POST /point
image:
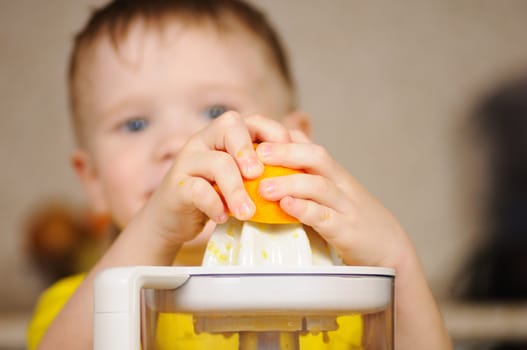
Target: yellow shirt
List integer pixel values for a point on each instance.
(49, 305)
(178, 329)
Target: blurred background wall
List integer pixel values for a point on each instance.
(389, 85)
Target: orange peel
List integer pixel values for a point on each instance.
(267, 212)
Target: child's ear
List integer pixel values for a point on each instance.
(298, 120)
(84, 168)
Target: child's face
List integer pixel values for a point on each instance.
(141, 104)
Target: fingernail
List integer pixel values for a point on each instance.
(222, 218)
(267, 187)
(245, 210)
(264, 150)
(252, 166)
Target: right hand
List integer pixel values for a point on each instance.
(221, 153)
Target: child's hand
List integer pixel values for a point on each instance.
(222, 153)
(328, 199)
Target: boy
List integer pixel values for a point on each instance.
(164, 96)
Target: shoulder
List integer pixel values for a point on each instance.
(49, 305)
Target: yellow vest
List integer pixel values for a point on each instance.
(178, 329)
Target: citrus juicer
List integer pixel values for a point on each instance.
(260, 286)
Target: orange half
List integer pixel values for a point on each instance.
(268, 212)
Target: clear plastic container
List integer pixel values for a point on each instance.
(332, 307)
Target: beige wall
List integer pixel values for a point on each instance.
(388, 84)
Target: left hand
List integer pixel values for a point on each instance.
(327, 198)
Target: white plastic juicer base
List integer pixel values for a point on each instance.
(267, 283)
(251, 244)
(233, 292)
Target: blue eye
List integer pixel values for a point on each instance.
(214, 112)
(135, 125)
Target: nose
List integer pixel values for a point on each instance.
(169, 146)
(173, 133)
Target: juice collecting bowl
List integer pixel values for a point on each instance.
(235, 299)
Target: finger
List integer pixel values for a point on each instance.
(298, 136)
(339, 232)
(265, 129)
(310, 157)
(229, 133)
(220, 168)
(321, 218)
(198, 192)
(306, 186)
